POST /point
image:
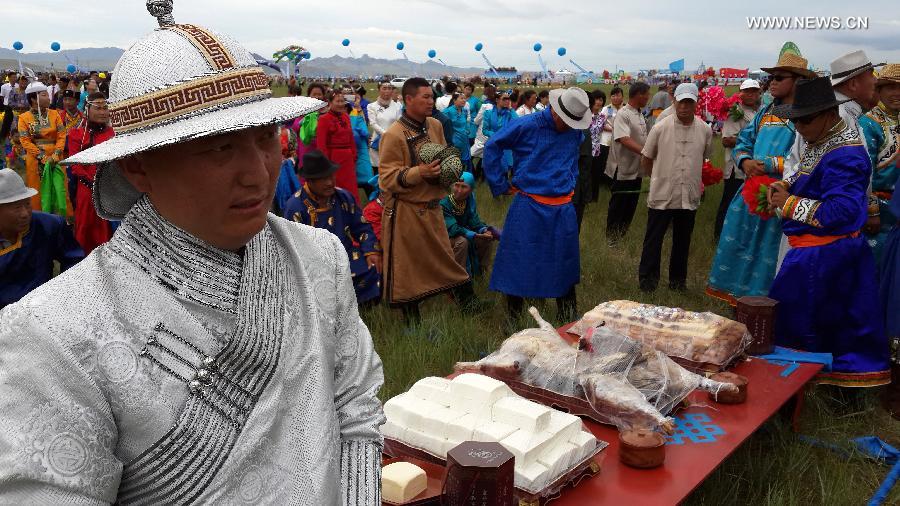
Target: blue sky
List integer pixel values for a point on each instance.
(598, 35)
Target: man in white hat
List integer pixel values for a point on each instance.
(209, 353)
(673, 157)
(734, 177)
(29, 241)
(538, 253)
(853, 80)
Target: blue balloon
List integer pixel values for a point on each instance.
(561, 51)
(18, 45)
(306, 55)
(345, 42)
(479, 46)
(400, 46)
(538, 46)
(432, 53)
(55, 46)
(71, 69)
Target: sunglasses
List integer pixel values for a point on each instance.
(782, 77)
(805, 120)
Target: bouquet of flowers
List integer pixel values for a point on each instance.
(755, 193)
(710, 175)
(735, 112)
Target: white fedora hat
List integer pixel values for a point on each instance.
(851, 65)
(180, 82)
(573, 106)
(12, 188)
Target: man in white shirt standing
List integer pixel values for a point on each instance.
(673, 156)
(383, 112)
(7, 87)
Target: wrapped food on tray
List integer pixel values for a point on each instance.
(699, 341)
(626, 383)
(438, 414)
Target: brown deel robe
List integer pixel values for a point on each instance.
(418, 259)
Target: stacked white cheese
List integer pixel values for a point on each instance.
(437, 414)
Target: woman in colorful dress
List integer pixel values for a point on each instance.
(43, 135)
(334, 138)
(747, 253)
(462, 123)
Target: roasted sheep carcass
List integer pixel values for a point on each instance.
(630, 385)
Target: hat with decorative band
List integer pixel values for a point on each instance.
(181, 82)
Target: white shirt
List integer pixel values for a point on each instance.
(382, 117)
(606, 137)
(523, 110)
(442, 102)
(538, 107)
(4, 92)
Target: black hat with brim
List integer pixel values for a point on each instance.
(811, 96)
(316, 165)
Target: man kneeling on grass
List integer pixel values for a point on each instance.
(673, 156)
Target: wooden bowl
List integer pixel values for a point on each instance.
(643, 449)
(724, 397)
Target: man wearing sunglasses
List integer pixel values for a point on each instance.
(748, 247)
(826, 287)
(853, 79)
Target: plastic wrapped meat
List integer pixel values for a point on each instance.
(629, 384)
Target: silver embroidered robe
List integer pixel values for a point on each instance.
(163, 370)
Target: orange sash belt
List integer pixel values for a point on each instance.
(547, 201)
(808, 240)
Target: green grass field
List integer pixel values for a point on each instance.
(772, 467)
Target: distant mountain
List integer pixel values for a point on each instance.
(105, 58)
(366, 66)
(89, 58)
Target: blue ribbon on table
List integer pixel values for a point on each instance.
(793, 358)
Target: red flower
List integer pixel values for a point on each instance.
(710, 174)
(754, 194)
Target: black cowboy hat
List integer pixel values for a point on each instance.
(812, 96)
(316, 165)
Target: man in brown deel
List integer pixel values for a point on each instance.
(418, 259)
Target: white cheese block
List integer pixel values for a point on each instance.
(521, 413)
(558, 459)
(532, 477)
(526, 446)
(435, 420)
(432, 389)
(401, 482)
(393, 431)
(585, 444)
(403, 410)
(462, 428)
(493, 432)
(423, 441)
(565, 425)
(475, 393)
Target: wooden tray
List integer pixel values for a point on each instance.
(587, 468)
(431, 496)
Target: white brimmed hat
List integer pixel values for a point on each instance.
(35, 87)
(12, 187)
(851, 65)
(573, 106)
(179, 83)
(686, 90)
(750, 84)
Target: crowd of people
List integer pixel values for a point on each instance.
(198, 322)
(353, 168)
